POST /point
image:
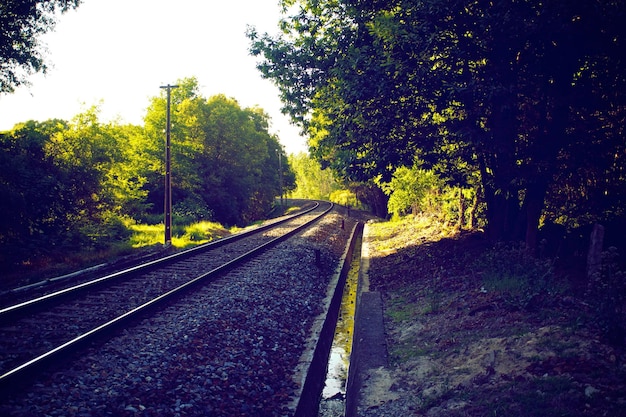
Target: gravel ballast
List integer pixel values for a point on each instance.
(228, 349)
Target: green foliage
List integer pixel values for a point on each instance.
(30, 183)
(68, 185)
(416, 190)
(54, 173)
(520, 93)
(100, 235)
(222, 155)
(75, 186)
(184, 235)
(312, 181)
(22, 22)
(345, 198)
(146, 234)
(127, 178)
(203, 231)
(190, 210)
(411, 190)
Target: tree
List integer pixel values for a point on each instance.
(30, 185)
(224, 160)
(21, 24)
(312, 182)
(63, 185)
(96, 181)
(128, 173)
(506, 89)
(409, 188)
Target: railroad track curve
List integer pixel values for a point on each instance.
(37, 332)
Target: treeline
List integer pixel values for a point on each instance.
(521, 104)
(413, 190)
(77, 184)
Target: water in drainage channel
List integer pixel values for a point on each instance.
(333, 395)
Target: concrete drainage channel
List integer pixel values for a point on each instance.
(321, 375)
(333, 400)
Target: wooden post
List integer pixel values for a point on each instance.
(594, 256)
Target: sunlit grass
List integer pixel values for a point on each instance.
(395, 233)
(199, 233)
(182, 236)
(292, 210)
(146, 234)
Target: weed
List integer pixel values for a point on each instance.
(517, 275)
(204, 231)
(400, 310)
(404, 352)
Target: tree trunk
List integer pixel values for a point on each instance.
(461, 221)
(499, 170)
(533, 206)
(474, 207)
(489, 195)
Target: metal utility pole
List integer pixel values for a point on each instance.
(168, 172)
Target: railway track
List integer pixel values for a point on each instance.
(36, 332)
(91, 276)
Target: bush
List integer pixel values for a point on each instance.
(190, 210)
(345, 198)
(204, 231)
(99, 235)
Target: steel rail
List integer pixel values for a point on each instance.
(18, 375)
(8, 312)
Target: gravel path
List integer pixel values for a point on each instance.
(230, 349)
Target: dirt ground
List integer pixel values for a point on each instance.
(473, 330)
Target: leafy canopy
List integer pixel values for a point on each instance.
(22, 22)
(223, 157)
(516, 91)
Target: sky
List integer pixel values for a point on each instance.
(117, 53)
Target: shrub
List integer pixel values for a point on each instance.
(345, 198)
(190, 210)
(204, 231)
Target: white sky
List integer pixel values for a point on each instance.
(119, 52)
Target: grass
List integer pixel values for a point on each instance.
(146, 235)
(393, 234)
(407, 351)
(182, 236)
(400, 311)
(508, 335)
